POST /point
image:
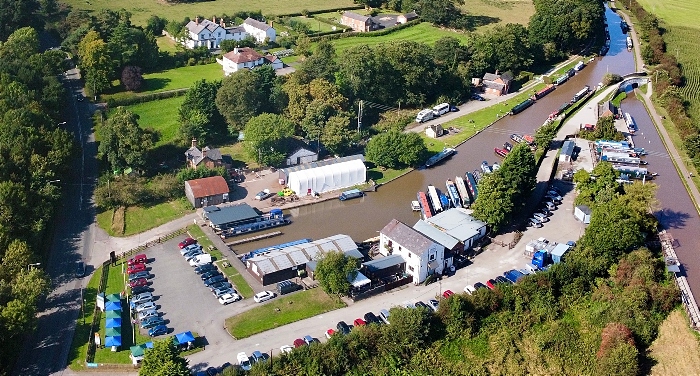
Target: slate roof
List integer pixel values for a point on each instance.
(506, 77)
(243, 55)
(414, 241)
(436, 234)
(256, 24)
(493, 85)
(211, 186)
(197, 28)
(568, 148)
(196, 156)
(457, 223)
(355, 16)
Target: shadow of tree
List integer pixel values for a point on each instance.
(670, 219)
(474, 21)
(151, 84)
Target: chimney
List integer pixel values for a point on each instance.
(222, 23)
(196, 20)
(235, 50)
(194, 142)
(204, 152)
(496, 72)
(213, 19)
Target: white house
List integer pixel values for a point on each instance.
(301, 155)
(423, 256)
(259, 30)
(246, 58)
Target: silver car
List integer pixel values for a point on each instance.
(146, 306)
(223, 291)
(142, 298)
(540, 217)
(148, 313)
(143, 274)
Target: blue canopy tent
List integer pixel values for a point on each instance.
(113, 306)
(113, 341)
(183, 338)
(113, 323)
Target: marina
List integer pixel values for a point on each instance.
(463, 191)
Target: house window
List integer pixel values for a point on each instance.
(432, 257)
(410, 268)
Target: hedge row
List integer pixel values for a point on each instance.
(134, 99)
(352, 7)
(366, 35)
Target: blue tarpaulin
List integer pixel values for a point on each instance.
(113, 323)
(113, 306)
(183, 338)
(113, 341)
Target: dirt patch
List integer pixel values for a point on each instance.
(676, 350)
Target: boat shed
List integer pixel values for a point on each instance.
(558, 252)
(228, 216)
(326, 175)
(282, 264)
(457, 223)
(567, 151)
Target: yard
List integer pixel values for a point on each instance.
(314, 25)
(171, 10)
(490, 13)
(160, 116)
(281, 311)
(421, 33)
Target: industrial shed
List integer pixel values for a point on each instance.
(324, 176)
(207, 191)
(283, 264)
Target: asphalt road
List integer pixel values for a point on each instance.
(46, 351)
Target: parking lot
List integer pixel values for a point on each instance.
(182, 298)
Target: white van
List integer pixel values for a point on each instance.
(441, 109)
(424, 115)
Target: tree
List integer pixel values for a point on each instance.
(519, 170)
(96, 61)
(334, 271)
(199, 116)
(247, 93)
(163, 359)
(266, 137)
(440, 12)
(495, 202)
(336, 135)
(123, 143)
(155, 25)
(321, 64)
(15, 14)
(132, 78)
(396, 150)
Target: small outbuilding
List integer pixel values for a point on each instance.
(606, 109)
(300, 156)
(207, 191)
(326, 175)
(567, 151)
(403, 18)
(583, 213)
(434, 131)
(558, 252)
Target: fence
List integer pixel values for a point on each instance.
(689, 302)
(97, 314)
(381, 288)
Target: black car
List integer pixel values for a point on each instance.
(80, 270)
(204, 268)
(421, 304)
(210, 274)
(371, 318)
(343, 328)
(219, 285)
(480, 285)
(502, 279)
(139, 289)
(213, 280)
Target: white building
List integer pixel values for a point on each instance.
(326, 175)
(301, 155)
(423, 256)
(246, 58)
(457, 223)
(259, 30)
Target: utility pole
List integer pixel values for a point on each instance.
(359, 117)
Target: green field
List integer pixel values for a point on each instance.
(314, 25)
(685, 42)
(422, 33)
(172, 10)
(674, 12)
(160, 116)
(139, 219)
(489, 13)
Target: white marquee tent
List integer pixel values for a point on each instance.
(327, 175)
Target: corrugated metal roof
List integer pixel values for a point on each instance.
(568, 148)
(436, 234)
(457, 223)
(384, 263)
(325, 162)
(211, 186)
(231, 214)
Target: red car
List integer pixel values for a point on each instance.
(136, 268)
(138, 282)
(299, 343)
(186, 242)
(138, 259)
(491, 284)
(447, 294)
(359, 322)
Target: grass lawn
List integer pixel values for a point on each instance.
(674, 12)
(422, 33)
(381, 176)
(140, 219)
(314, 25)
(166, 44)
(676, 350)
(489, 13)
(161, 116)
(142, 10)
(236, 278)
(294, 307)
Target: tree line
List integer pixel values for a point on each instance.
(34, 155)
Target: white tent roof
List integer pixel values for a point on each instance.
(360, 280)
(328, 178)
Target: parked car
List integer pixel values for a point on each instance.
(223, 291)
(140, 290)
(138, 259)
(186, 242)
(342, 327)
(532, 222)
(190, 248)
(433, 304)
(192, 255)
(491, 283)
(204, 268)
(420, 304)
(136, 268)
(384, 315)
(308, 339)
(146, 306)
(549, 205)
(263, 296)
(210, 274)
(371, 318)
(258, 356)
(141, 298)
(158, 330)
(329, 333)
(480, 285)
(571, 243)
(264, 194)
(554, 197)
(447, 293)
(148, 313)
(139, 275)
(299, 343)
(80, 270)
(502, 279)
(152, 322)
(220, 285)
(229, 298)
(213, 280)
(138, 282)
(286, 349)
(243, 361)
(540, 217)
(469, 289)
(555, 190)
(477, 97)
(359, 322)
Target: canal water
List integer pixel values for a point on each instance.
(363, 218)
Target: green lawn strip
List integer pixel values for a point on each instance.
(166, 44)
(236, 278)
(314, 25)
(281, 311)
(198, 234)
(116, 285)
(78, 348)
(422, 33)
(381, 176)
(160, 116)
(140, 219)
